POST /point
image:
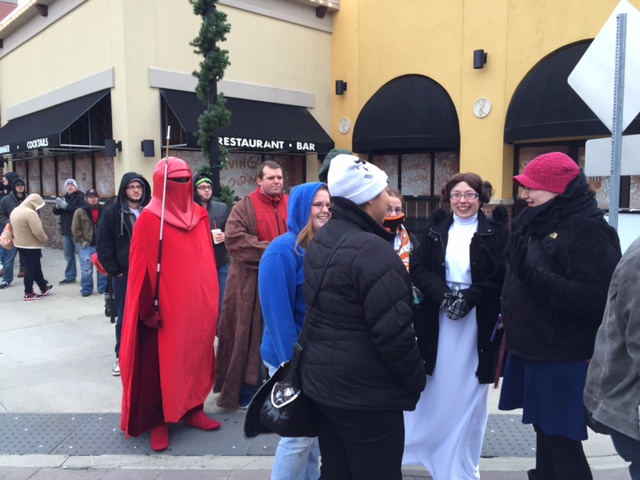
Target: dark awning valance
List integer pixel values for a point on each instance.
(545, 106)
(408, 113)
(255, 126)
(55, 127)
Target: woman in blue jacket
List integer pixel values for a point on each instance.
(280, 281)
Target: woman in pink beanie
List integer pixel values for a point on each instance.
(559, 265)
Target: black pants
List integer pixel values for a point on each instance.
(559, 458)
(33, 269)
(360, 445)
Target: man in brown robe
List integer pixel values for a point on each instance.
(254, 221)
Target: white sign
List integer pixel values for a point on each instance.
(593, 78)
(597, 161)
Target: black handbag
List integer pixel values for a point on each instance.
(280, 405)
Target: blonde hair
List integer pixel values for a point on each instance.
(306, 234)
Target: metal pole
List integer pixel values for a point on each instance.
(616, 132)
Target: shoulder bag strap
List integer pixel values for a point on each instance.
(302, 338)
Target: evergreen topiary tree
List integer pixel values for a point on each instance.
(213, 31)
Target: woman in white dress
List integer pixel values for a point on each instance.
(458, 267)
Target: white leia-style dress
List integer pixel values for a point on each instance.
(446, 430)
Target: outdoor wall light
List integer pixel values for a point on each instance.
(341, 87)
(110, 147)
(148, 148)
(479, 58)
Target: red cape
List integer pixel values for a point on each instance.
(168, 371)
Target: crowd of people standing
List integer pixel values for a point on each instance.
(403, 334)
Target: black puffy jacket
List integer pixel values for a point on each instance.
(361, 351)
(428, 272)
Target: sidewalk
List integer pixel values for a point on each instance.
(59, 408)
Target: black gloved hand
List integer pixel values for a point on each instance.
(455, 305)
(481, 256)
(518, 258)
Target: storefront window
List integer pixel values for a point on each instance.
(49, 187)
(105, 176)
(46, 175)
(33, 174)
(84, 171)
(447, 165)
(389, 165)
(416, 175)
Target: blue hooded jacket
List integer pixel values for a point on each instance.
(280, 280)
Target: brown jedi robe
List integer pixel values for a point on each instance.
(239, 329)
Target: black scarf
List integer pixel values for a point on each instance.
(576, 201)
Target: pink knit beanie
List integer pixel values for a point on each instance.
(551, 172)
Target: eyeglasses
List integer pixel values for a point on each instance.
(467, 196)
(134, 187)
(397, 210)
(204, 187)
(320, 205)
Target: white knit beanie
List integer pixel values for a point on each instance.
(356, 179)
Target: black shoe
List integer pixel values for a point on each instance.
(65, 281)
(4, 285)
(86, 294)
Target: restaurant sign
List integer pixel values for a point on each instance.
(263, 144)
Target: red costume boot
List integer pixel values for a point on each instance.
(160, 438)
(198, 419)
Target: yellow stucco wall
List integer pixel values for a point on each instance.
(375, 41)
(59, 55)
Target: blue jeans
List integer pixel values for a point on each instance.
(9, 257)
(69, 247)
(296, 458)
(223, 272)
(86, 272)
(119, 294)
(629, 449)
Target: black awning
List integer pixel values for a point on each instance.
(408, 113)
(44, 129)
(255, 126)
(545, 106)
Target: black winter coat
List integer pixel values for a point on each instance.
(74, 201)
(428, 272)
(361, 352)
(553, 315)
(116, 227)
